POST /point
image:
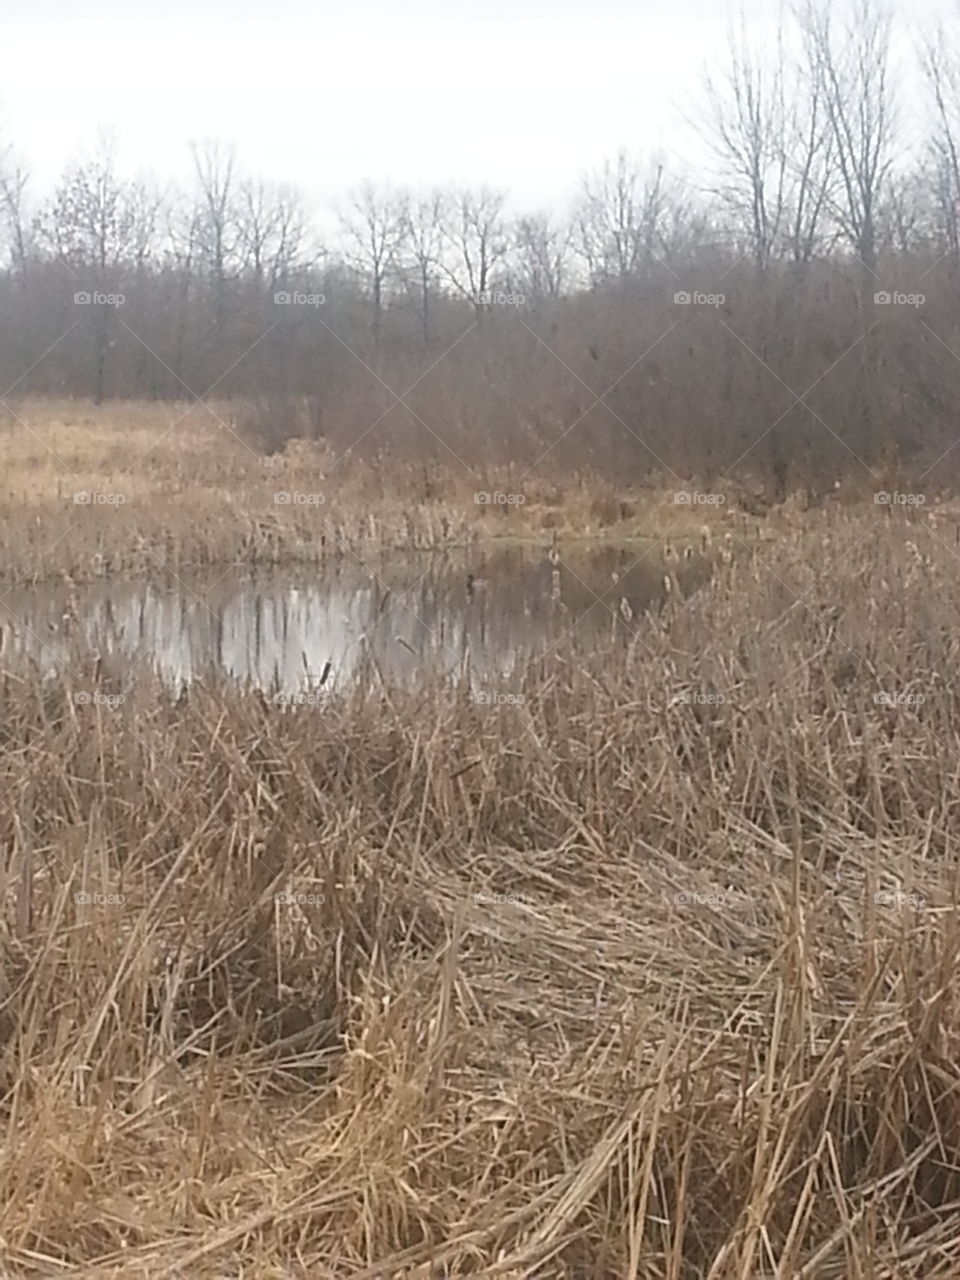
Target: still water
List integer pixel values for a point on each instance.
(286, 632)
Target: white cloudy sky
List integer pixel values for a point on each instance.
(522, 94)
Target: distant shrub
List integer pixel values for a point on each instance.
(268, 422)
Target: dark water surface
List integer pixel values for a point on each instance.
(286, 631)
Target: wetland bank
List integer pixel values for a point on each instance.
(535, 879)
(479, 753)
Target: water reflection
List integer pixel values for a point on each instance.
(287, 632)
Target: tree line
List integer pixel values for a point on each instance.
(787, 312)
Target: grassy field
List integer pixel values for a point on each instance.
(170, 487)
(649, 972)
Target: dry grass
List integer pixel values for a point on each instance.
(589, 1081)
(196, 493)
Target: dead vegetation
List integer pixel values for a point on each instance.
(574, 1074)
(142, 488)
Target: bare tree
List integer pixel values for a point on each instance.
(477, 243)
(941, 68)
(619, 218)
(746, 122)
(765, 123)
(271, 231)
(852, 72)
(809, 143)
(907, 220)
(374, 224)
(543, 265)
(423, 249)
(13, 211)
(181, 239)
(91, 219)
(15, 220)
(100, 228)
(216, 220)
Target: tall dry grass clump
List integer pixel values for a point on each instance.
(650, 974)
(147, 489)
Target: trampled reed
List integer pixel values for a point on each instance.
(642, 966)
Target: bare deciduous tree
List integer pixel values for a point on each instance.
(100, 227)
(941, 69)
(423, 249)
(374, 223)
(620, 218)
(852, 72)
(13, 211)
(477, 243)
(215, 224)
(272, 231)
(543, 266)
(15, 220)
(746, 123)
(765, 123)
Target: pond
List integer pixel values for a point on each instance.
(285, 632)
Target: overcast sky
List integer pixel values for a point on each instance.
(522, 94)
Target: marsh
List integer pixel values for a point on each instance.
(284, 630)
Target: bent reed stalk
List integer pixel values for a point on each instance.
(648, 971)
